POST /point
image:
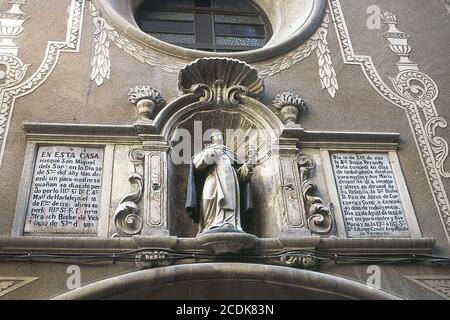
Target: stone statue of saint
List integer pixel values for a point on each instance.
(218, 188)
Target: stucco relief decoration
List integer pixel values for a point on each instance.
(11, 27)
(13, 80)
(417, 87)
(10, 284)
(104, 34)
(153, 259)
(439, 285)
(317, 42)
(299, 260)
(412, 91)
(12, 69)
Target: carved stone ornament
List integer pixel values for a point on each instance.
(127, 217)
(152, 259)
(147, 100)
(288, 105)
(299, 260)
(320, 215)
(220, 81)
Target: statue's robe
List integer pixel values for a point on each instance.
(218, 189)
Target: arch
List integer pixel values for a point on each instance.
(187, 106)
(179, 109)
(238, 280)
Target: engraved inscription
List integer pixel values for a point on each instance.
(369, 197)
(66, 189)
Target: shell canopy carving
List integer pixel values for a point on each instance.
(230, 73)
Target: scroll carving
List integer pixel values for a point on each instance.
(319, 214)
(219, 94)
(210, 80)
(127, 217)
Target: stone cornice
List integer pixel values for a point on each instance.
(379, 246)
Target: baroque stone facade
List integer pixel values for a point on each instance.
(99, 123)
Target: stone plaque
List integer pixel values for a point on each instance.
(369, 197)
(65, 191)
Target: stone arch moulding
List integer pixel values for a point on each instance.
(182, 108)
(222, 84)
(248, 281)
(300, 17)
(249, 120)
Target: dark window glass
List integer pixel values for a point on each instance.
(203, 3)
(209, 25)
(240, 30)
(167, 26)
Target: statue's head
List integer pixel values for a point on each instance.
(216, 137)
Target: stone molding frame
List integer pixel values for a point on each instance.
(28, 170)
(213, 89)
(405, 199)
(145, 282)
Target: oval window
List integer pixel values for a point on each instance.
(207, 25)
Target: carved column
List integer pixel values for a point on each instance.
(290, 200)
(144, 212)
